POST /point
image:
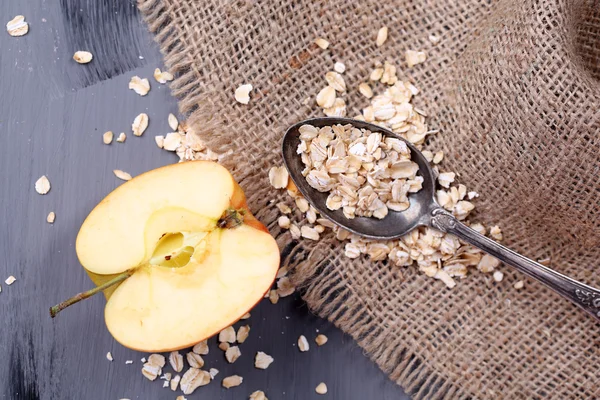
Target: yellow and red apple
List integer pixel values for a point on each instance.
(197, 258)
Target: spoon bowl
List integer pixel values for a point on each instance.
(424, 211)
(396, 223)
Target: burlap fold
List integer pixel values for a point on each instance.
(513, 85)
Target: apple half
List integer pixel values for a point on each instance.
(195, 259)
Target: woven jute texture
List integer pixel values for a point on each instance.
(514, 86)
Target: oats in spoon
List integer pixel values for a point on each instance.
(365, 173)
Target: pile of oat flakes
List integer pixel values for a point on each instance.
(438, 255)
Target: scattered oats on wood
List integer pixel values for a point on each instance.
(415, 57)
(176, 361)
(195, 360)
(193, 379)
(382, 36)
(162, 77)
(42, 185)
(336, 81)
(227, 335)
(151, 371)
(140, 123)
(278, 176)
(258, 395)
(309, 233)
(213, 372)
(166, 376)
(173, 122)
(322, 43)
(201, 348)
(51, 217)
(339, 67)
(139, 85)
(321, 340)
(156, 359)
(121, 138)
(242, 93)
(498, 276)
(122, 175)
(303, 344)
(245, 316)
(172, 141)
(82, 57)
(365, 90)
(17, 26)
(273, 296)
(242, 333)
(434, 39)
(174, 382)
(232, 381)
(321, 388)
(160, 140)
(326, 97)
(285, 287)
(224, 346)
(232, 354)
(109, 356)
(262, 360)
(107, 137)
(519, 285)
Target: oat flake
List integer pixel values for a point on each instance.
(107, 137)
(122, 175)
(242, 93)
(17, 26)
(140, 123)
(51, 217)
(139, 85)
(82, 57)
(121, 138)
(42, 185)
(232, 381)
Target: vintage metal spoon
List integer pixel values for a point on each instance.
(424, 211)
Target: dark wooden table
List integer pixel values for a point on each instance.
(53, 114)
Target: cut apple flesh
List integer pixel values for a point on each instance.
(192, 278)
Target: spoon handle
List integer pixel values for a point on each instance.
(583, 296)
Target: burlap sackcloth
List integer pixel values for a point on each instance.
(514, 86)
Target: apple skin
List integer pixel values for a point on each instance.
(238, 202)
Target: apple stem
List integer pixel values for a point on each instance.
(89, 293)
(231, 218)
